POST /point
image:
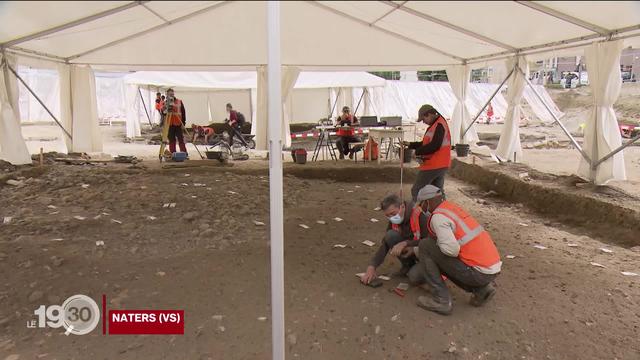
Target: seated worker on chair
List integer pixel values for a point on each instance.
(407, 225)
(459, 248)
(201, 131)
(345, 132)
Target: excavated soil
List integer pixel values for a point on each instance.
(207, 257)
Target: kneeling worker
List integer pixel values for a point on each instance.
(407, 225)
(458, 248)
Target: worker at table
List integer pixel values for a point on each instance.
(345, 132)
(434, 151)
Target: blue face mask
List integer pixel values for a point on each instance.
(396, 219)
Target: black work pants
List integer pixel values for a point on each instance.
(434, 264)
(428, 177)
(342, 143)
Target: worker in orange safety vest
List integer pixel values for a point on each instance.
(434, 151)
(459, 248)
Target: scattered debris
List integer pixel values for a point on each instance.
(403, 286)
(166, 205)
(7, 219)
(359, 275)
(303, 226)
(116, 221)
(258, 223)
(628, 273)
(184, 184)
(161, 273)
(377, 330)
(573, 245)
(57, 239)
(340, 246)
(217, 317)
(523, 224)
(540, 247)
(262, 318)
(368, 243)
(100, 243)
(79, 217)
(524, 176)
(199, 185)
(14, 182)
(395, 317)
(232, 192)
(384, 277)
(172, 205)
(377, 209)
(51, 206)
(510, 256)
(349, 191)
(605, 250)
(337, 219)
(85, 186)
(597, 265)
(151, 217)
(321, 222)
(374, 220)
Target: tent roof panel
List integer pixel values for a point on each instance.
(87, 36)
(21, 18)
(436, 35)
(368, 11)
(602, 13)
(507, 22)
(171, 10)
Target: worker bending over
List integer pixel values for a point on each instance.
(234, 122)
(345, 132)
(458, 248)
(176, 115)
(201, 131)
(407, 225)
(434, 151)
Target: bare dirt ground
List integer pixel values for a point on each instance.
(207, 257)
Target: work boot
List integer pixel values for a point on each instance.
(482, 295)
(437, 305)
(341, 156)
(351, 155)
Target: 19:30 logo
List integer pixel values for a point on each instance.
(79, 315)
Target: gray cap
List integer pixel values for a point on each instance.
(428, 192)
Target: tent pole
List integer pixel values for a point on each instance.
(145, 106)
(475, 118)
(37, 98)
(276, 207)
(564, 129)
(617, 150)
(358, 105)
(333, 108)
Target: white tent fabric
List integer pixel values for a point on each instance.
(601, 133)
(459, 76)
(44, 82)
(509, 147)
(12, 147)
(86, 133)
(289, 78)
(133, 110)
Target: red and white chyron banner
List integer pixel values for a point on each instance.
(146, 322)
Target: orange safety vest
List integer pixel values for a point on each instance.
(414, 223)
(476, 246)
(175, 116)
(442, 157)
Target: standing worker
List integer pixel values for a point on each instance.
(159, 106)
(235, 121)
(434, 150)
(459, 248)
(176, 118)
